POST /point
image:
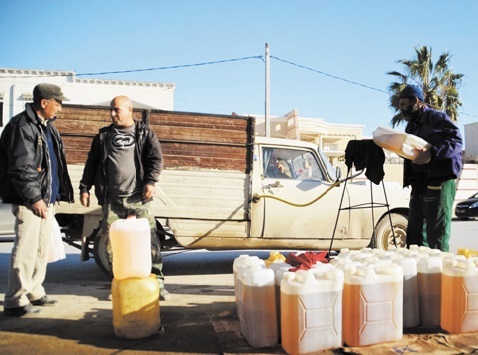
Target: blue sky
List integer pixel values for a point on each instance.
(359, 41)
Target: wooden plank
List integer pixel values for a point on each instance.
(188, 140)
(200, 134)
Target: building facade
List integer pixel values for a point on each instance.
(16, 89)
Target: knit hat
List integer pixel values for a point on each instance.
(412, 91)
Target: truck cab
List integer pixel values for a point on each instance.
(301, 205)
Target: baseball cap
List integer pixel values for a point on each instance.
(48, 91)
(412, 91)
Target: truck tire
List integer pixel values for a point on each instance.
(101, 256)
(384, 235)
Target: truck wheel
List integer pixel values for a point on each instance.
(101, 256)
(384, 235)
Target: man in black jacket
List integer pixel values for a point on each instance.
(432, 173)
(33, 178)
(124, 163)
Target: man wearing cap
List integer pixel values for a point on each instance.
(432, 173)
(33, 178)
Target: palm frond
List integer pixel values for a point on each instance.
(437, 80)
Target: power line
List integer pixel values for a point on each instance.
(329, 75)
(346, 80)
(136, 70)
(211, 63)
(171, 67)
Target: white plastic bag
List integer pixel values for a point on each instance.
(57, 249)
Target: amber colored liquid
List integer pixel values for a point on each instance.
(278, 310)
(258, 319)
(459, 304)
(311, 322)
(410, 302)
(429, 298)
(372, 313)
(136, 307)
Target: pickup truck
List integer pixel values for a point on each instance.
(223, 187)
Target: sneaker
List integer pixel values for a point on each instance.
(21, 311)
(44, 302)
(164, 295)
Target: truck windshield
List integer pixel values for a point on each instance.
(330, 168)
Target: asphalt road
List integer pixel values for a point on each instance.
(199, 319)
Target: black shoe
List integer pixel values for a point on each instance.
(21, 311)
(44, 302)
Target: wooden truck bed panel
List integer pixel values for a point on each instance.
(189, 140)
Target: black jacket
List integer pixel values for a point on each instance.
(446, 152)
(148, 156)
(25, 163)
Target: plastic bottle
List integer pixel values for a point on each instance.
(372, 310)
(398, 142)
(136, 307)
(429, 273)
(459, 300)
(131, 246)
(274, 256)
(410, 291)
(311, 310)
(258, 315)
(279, 268)
(239, 264)
(469, 253)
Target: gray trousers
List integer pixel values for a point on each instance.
(29, 257)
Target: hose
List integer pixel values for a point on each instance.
(256, 197)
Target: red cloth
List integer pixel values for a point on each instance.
(304, 261)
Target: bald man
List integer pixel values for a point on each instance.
(123, 178)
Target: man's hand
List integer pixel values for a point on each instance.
(148, 192)
(85, 199)
(40, 209)
(423, 156)
(280, 167)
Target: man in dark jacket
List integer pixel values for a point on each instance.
(34, 177)
(432, 173)
(124, 163)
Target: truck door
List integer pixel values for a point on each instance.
(297, 176)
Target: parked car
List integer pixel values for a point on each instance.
(468, 208)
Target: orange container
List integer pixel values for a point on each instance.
(311, 310)
(459, 300)
(257, 311)
(372, 310)
(136, 307)
(410, 291)
(240, 263)
(429, 276)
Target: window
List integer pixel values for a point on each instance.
(291, 164)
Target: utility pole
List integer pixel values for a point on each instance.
(267, 98)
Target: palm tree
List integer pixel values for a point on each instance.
(438, 82)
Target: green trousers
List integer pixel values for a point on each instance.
(429, 220)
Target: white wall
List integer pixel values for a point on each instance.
(471, 141)
(16, 88)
